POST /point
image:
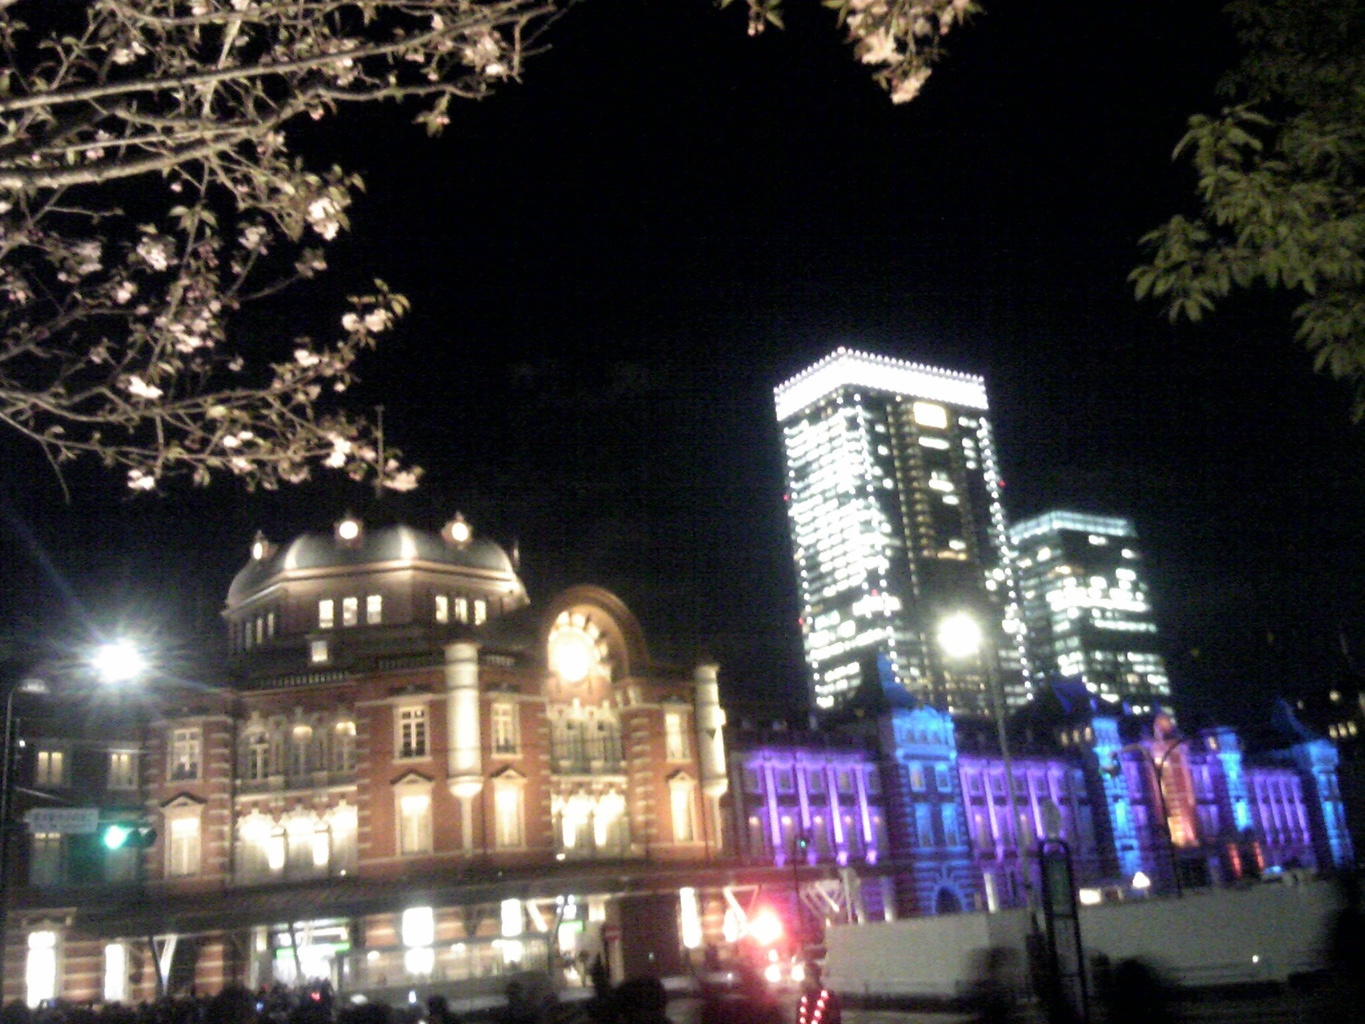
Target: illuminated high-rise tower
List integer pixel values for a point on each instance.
(893, 494)
(1085, 606)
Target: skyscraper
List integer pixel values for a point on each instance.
(1086, 611)
(893, 495)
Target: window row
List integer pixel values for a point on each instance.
(52, 769)
(252, 632)
(817, 780)
(350, 611)
(459, 608)
(296, 749)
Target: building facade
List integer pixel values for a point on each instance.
(411, 778)
(1086, 607)
(1140, 807)
(893, 499)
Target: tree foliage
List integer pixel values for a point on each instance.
(150, 185)
(1281, 182)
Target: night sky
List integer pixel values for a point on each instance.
(614, 262)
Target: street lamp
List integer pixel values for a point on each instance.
(118, 661)
(960, 637)
(1158, 765)
(113, 662)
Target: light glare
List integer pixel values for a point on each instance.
(959, 636)
(118, 661)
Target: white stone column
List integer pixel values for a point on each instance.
(710, 723)
(464, 738)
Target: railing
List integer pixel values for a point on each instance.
(587, 755)
(304, 780)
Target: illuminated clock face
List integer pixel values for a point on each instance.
(575, 648)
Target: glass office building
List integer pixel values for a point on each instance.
(893, 495)
(1086, 609)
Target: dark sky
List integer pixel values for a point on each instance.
(613, 263)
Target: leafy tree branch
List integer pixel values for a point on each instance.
(1281, 182)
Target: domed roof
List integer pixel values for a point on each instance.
(372, 546)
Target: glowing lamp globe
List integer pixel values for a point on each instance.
(959, 636)
(348, 529)
(118, 661)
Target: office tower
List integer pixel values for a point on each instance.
(893, 494)
(1085, 606)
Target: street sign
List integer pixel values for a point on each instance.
(67, 820)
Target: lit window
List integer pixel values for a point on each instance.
(122, 770)
(257, 756)
(45, 859)
(40, 968)
(461, 609)
(115, 972)
(1098, 541)
(412, 731)
(480, 610)
(442, 608)
(676, 747)
(508, 831)
(420, 961)
(680, 792)
(182, 846)
(506, 738)
(927, 414)
(350, 611)
(414, 823)
(418, 927)
(186, 747)
(51, 768)
(318, 651)
(374, 609)
(326, 613)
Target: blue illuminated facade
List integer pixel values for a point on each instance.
(911, 805)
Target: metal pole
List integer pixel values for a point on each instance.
(997, 688)
(7, 752)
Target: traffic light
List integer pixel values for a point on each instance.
(127, 836)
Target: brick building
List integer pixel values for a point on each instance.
(409, 776)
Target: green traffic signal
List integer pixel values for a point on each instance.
(127, 837)
(116, 836)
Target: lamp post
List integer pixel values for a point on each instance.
(112, 662)
(960, 637)
(21, 685)
(1158, 766)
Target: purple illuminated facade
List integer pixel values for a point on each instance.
(907, 810)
